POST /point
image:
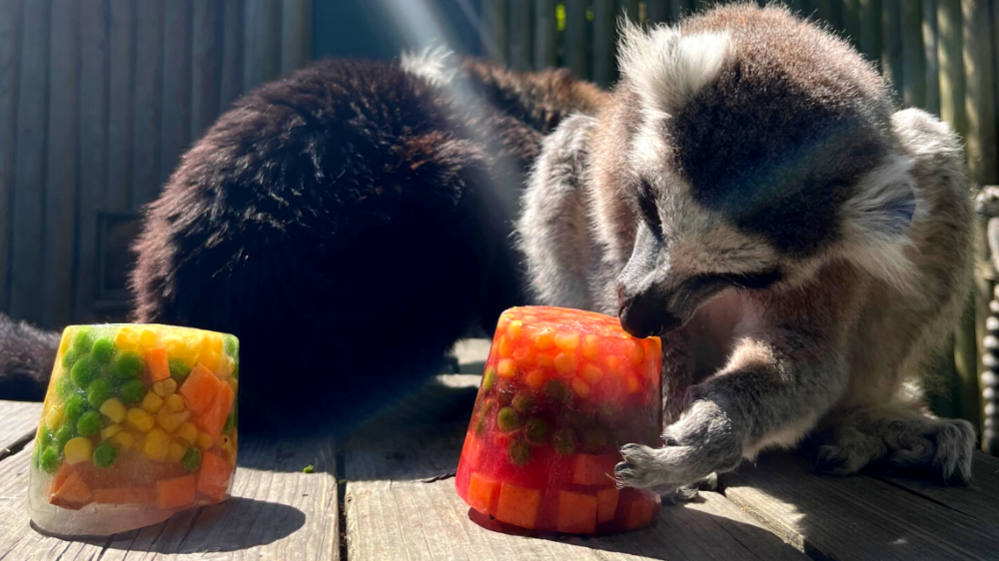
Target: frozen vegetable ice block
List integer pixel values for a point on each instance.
(562, 391)
(139, 422)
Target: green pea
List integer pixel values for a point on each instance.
(128, 365)
(480, 424)
(65, 387)
(49, 460)
(558, 390)
(508, 419)
(100, 390)
(76, 406)
(523, 402)
(231, 347)
(595, 439)
(235, 371)
(520, 453)
(89, 424)
(191, 460)
(103, 350)
(69, 358)
(565, 443)
(83, 340)
(230, 423)
(104, 455)
(85, 371)
(536, 431)
(179, 370)
(45, 437)
(65, 433)
(607, 412)
(132, 392)
(489, 379)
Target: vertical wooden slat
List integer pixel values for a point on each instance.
(261, 42)
(545, 29)
(851, 21)
(831, 11)
(629, 8)
(296, 34)
(930, 42)
(520, 35)
(494, 14)
(10, 26)
(870, 30)
(604, 37)
(147, 101)
(658, 11)
(576, 56)
(175, 131)
(29, 172)
(231, 71)
(204, 65)
(93, 143)
(891, 53)
(913, 55)
(120, 105)
(980, 87)
(678, 9)
(951, 57)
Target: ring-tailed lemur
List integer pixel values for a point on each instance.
(751, 194)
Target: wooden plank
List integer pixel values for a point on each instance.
(205, 49)
(891, 46)
(296, 34)
(913, 54)
(951, 56)
(930, 46)
(831, 12)
(276, 512)
(147, 101)
(261, 42)
(851, 21)
(92, 142)
(120, 106)
(175, 128)
(494, 21)
(401, 504)
(231, 70)
(18, 421)
(520, 35)
(979, 67)
(678, 9)
(604, 41)
(658, 11)
(870, 30)
(576, 52)
(26, 264)
(855, 517)
(978, 501)
(9, 38)
(545, 34)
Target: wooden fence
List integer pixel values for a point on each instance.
(98, 99)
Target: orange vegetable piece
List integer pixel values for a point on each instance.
(591, 469)
(213, 477)
(200, 388)
(640, 513)
(176, 492)
(518, 505)
(125, 496)
(213, 419)
(65, 470)
(577, 513)
(607, 503)
(73, 491)
(482, 491)
(159, 366)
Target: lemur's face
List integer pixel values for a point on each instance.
(743, 166)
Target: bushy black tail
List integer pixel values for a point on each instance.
(26, 358)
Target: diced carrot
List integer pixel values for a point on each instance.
(65, 470)
(607, 503)
(640, 513)
(176, 492)
(73, 491)
(213, 418)
(200, 388)
(125, 496)
(518, 505)
(590, 469)
(482, 491)
(577, 513)
(159, 366)
(213, 477)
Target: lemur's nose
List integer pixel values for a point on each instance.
(644, 314)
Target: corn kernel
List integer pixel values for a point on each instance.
(123, 440)
(127, 339)
(78, 450)
(227, 367)
(164, 388)
(567, 341)
(535, 379)
(140, 419)
(591, 347)
(147, 338)
(592, 374)
(174, 402)
(113, 409)
(633, 384)
(170, 421)
(176, 452)
(514, 329)
(565, 363)
(544, 339)
(507, 368)
(109, 431)
(581, 387)
(636, 352)
(504, 347)
(152, 402)
(211, 360)
(157, 445)
(204, 441)
(53, 418)
(187, 432)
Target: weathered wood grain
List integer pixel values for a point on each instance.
(231, 70)
(950, 47)
(205, 48)
(870, 30)
(855, 517)
(932, 58)
(175, 124)
(18, 420)
(576, 53)
(891, 46)
(494, 23)
(604, 40)
(520, 35)
(545, 34)
(296, 34)
(120, 107)
(657, 11)
(276, 512)
(913, 55)
(979, 501)
(147, 101)
(261, 42)
(9, 34)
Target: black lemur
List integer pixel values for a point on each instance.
(348, 223)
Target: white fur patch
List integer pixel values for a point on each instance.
(432, 64)
(668, 68)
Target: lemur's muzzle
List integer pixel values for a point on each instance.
(645, 314)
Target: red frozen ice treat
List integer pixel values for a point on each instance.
(562, 391)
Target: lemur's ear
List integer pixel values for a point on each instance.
(878, 220)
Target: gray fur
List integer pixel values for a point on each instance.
(777, 326)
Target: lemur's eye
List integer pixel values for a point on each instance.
(755, 281)
(647, 204)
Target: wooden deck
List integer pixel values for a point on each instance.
(388, 495)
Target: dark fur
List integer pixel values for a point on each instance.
(348, 224)
(26, 357)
